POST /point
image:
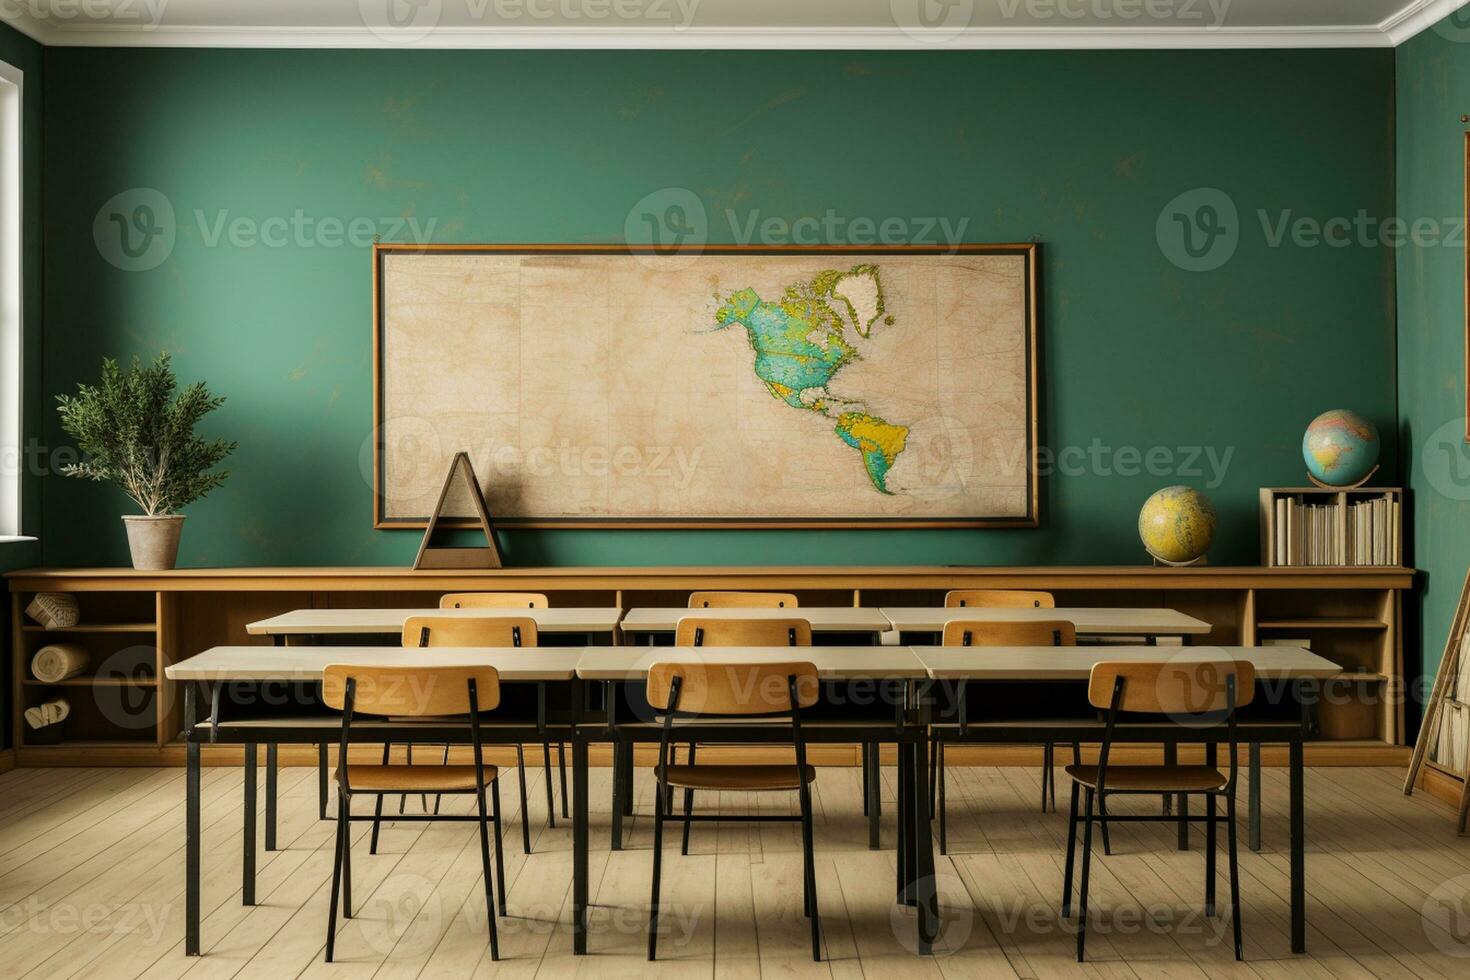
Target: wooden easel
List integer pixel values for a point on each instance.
(445, 556)
(1451, 694)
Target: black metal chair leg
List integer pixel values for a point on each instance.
(934, 743)
(1234, 873)
(499, 850)
(864, 766)
(1071, 854)
(561, 765)
(1046, 771)
(1210, 854)
(525, 809)
(321, 780)
(342, 827)
(809, 860)
(688, 808)
(438, 797)
(378, 812)
(485, 868)
(1102, 812)
(943, 803)
(550, 800)
(658, 852)
(347, 857)
(1086, 871)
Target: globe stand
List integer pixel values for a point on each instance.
(1159, 562)
(1346, 486)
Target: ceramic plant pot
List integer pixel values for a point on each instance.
(154, 541)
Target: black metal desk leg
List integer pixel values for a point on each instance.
(247, 880)
(271, 759)
(871, 780)
(1253, 796)
(191, 827)
(579, 832)
(926, 892)
(1298, 852)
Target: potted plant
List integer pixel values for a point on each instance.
(136, 429)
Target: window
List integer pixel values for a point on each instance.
(11, 370)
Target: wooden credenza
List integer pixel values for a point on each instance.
(136, 623)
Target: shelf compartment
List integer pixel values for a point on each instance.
(1324, 623)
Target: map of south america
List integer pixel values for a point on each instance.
(801, 342)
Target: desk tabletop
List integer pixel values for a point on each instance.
(829, 619)
(1098, 621)
(1075, 663)
(563, 619)
(306, 663)
(832, 663)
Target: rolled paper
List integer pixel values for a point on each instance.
(54, 610)
(49, 713)
(58, 661)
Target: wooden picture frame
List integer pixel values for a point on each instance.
(1449, 694)
(1465, 270)
(1027, 252)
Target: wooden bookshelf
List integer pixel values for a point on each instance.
(1350, 615)
(1313, 527)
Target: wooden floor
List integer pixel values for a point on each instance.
(91, 885)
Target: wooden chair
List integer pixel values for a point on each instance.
(493, 600)
(696, 631)
(1051, 633)
(742, 600)
(414, 693)
(520, 600)
(688, 692)
(430, 630)
(998, 599)
(1202, 695)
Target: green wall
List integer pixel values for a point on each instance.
(1432, 92)
(1079, 150)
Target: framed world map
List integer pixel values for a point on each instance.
(611, 386)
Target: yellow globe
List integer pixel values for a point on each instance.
(1177, 524)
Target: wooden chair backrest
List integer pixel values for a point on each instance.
(493, 600)
(733, 689)
(1173, 687)
(718, 631)
(999, 598)
(414, 692)
(742, 600)
(469, 631)
(1041, 633)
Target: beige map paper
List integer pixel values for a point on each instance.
(756, 387)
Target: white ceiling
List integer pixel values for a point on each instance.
(853, 24)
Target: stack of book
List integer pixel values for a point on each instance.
(1331, 528)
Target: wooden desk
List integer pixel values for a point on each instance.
(1288, 667)
(1075, 663)
(306, 663)
(824, 619)
(326, 622)
(552, 666)
(1104, 621)
(631, 664)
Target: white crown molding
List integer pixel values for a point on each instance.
(1417, 16)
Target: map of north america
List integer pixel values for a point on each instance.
(805, 338)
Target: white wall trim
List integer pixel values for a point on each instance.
(1416, 16)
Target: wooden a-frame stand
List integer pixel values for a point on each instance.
(443, 556)
(1447, 697)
